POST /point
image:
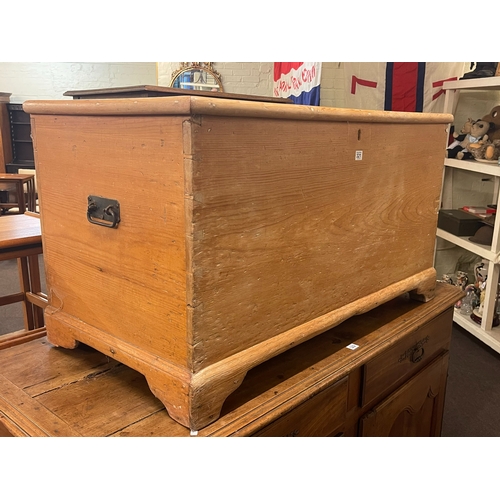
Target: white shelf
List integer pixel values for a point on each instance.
(490, 337)
(491, 83)
(474, 166)
(489, 253)
(463, 242)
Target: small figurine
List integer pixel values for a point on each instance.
(462, 279)
(462, 282)
(447, 279)
(470, 301)
(480, 272)
(477, 313)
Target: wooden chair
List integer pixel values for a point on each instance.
(20, 238)
(22, 188)
(30, 171)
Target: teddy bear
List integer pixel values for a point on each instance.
(489, 151)
(478, 134)
(466, 128)
(493, 117)
(460, 136)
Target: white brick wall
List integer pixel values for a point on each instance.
(332, 85)
(237, 77)
(40, 80)
(165, 71)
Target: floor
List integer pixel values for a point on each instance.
(472, 404)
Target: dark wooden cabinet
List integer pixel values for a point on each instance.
(322, 415)
(21, 141)
(415, 409)
(5, 139)
(382, 373)
(402, 389)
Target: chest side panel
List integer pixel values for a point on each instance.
(129, 281)
(289, 225)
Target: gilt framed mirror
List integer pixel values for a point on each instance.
(197, 76)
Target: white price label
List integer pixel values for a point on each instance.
(352, 346)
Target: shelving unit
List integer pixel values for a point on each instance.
(5, 139)
(22, 144)
(490, 253)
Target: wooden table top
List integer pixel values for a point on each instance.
(19, 230)
(159, 91)
(16, 177)
(49, 391)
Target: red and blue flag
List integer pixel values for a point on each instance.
(298, 81)
(398, 86)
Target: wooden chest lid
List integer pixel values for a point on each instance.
(198, 105)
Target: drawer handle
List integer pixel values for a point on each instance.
(103, 211)
(414, 353)
(417, 355)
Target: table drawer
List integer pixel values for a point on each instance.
(8, 428)
(413, 410)
(320, 416)
(403, 359)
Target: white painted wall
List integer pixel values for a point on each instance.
(42, 80)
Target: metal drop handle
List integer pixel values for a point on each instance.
(103, 211)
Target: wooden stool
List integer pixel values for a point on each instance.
(20, 182)
(20, 238)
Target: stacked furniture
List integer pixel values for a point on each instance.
(223, 232)
(391, 384)
(196, 238)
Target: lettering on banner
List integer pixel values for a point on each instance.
(295, 82)
(308, 74)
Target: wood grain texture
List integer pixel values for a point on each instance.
(322, 415)
(137, 271)
(190, 105)
(246, 228)
(288, 226)
(19, 230)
